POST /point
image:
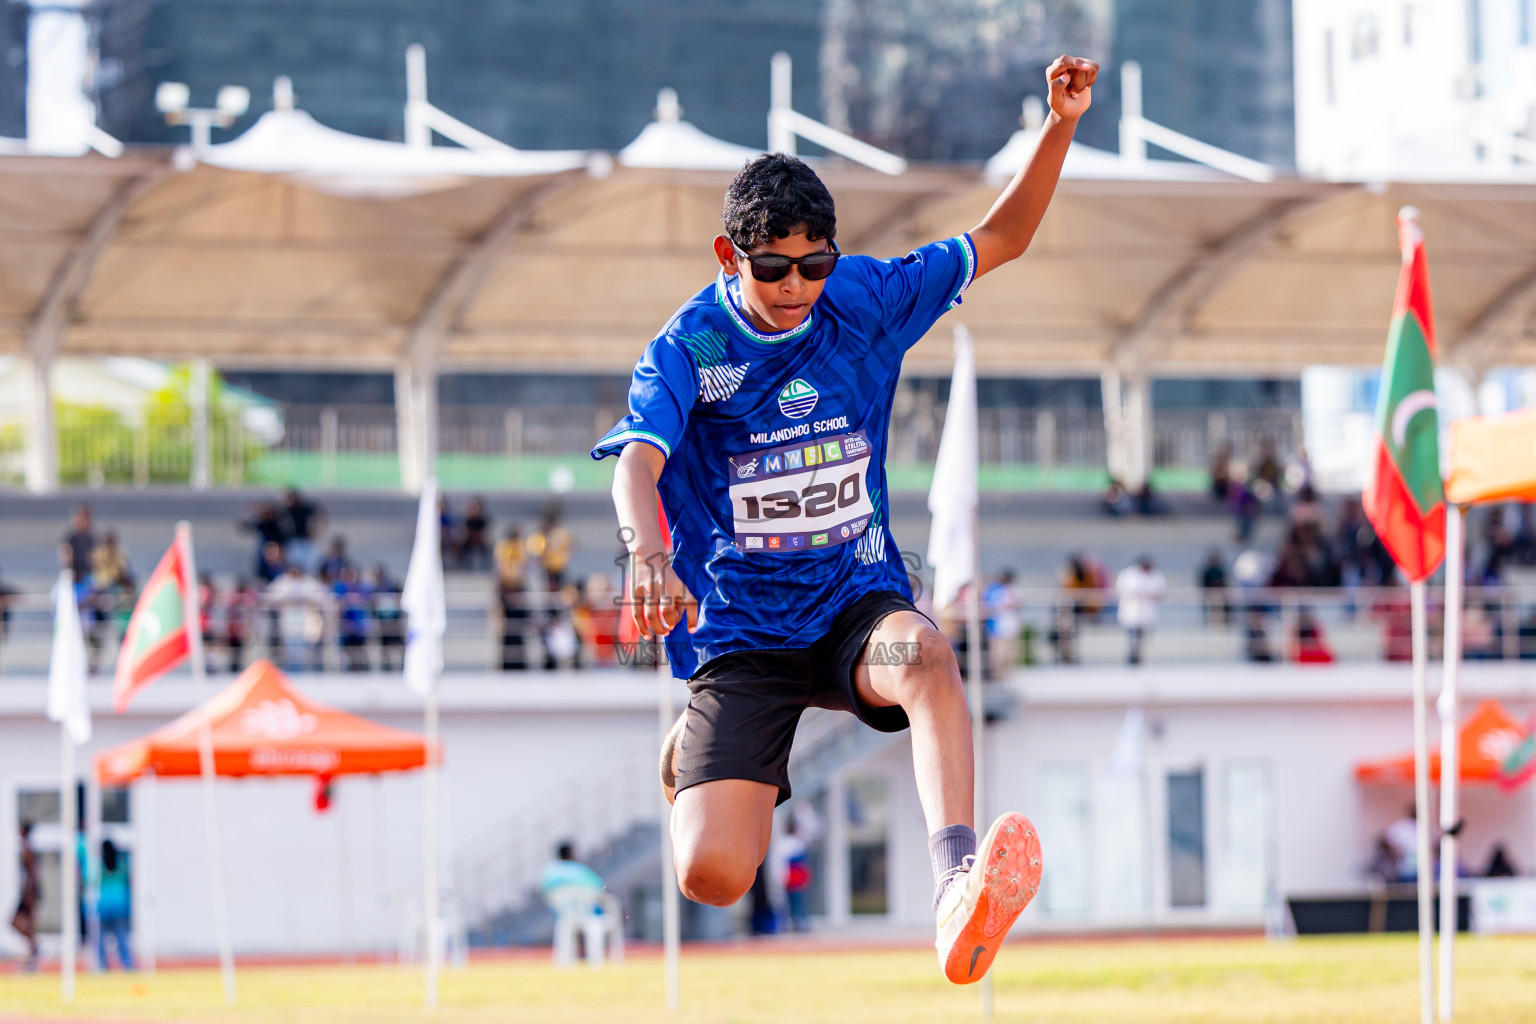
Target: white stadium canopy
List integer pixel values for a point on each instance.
(295, 245)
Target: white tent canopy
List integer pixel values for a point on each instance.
(291, 142)
(670, 142)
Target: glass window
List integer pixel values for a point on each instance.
(868, 834)
(1186, 838)
(37, 806)
(114, 807)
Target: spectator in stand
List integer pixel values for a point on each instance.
(240, 621)
(1395, 614)
(1002, 606)
(562, 644)
(1307, 510)
(271, 564)
(335, 560)
(1311, 647)
(1221, 473)
(8, 595)
(384, 600)
(1268, 477)
(1480, 631)
(475, 538)
(112, 590)
(303, 521)
(553, 545)
(299, 601)
(511, 558)
(1082, 583)
(207, 613)
(268, 525)
(1213, 585)
(1244, 505)
(1501, 552)
(1147, 501)
(1116, 500)
(447, 531)
(352, 615)
(81, 539)
(1256, 637)
(1139, 588)
(597, 619)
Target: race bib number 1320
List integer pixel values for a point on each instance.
(801, 497)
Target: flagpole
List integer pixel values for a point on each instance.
(193, 623)
(1450, 757)
(146, 851)
(671, 908)
(429, 874)
(1421, 803)
(68, 912)
(973, 670)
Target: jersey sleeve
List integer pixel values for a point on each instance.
(914, 291)
(661, 395)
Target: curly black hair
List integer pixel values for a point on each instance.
(773, 197)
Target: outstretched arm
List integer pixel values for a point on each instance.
(1005, 232)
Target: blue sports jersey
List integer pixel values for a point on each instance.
(774, 485)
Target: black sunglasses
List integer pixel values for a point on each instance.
(770, 267)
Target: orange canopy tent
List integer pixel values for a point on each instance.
(1487, 739)
(261, 725)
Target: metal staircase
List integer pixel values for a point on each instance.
(612, 815)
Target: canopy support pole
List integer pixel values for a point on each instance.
(1424, 883)
(1450, 757)
(42, 438)
(192, 618)
(415, 422)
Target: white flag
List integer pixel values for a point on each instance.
(67, 701)
(422, 598)
(952, 498)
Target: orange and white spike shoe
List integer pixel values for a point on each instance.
(669, 749)
(982, 903)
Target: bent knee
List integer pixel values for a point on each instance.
(923, 659)
(715, 879)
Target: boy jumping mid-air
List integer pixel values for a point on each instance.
(761, 412)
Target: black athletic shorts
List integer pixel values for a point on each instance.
(744, 706)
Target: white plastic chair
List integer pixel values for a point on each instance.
(597, 915)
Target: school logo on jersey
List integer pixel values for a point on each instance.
(797, 399)
(717, 383)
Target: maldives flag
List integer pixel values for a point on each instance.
(156, 640)
(1404, 498)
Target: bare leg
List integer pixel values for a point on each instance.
(927, 687)
(720, 833)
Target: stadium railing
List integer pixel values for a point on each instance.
(1056, 626)
(495, 447)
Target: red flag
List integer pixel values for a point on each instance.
(156, 640)
(1405, 497)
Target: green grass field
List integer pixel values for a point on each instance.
(1232, 981)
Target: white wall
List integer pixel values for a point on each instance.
(511, 743)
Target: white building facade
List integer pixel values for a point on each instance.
(1231, 789)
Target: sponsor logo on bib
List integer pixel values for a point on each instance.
(746, 469)
(797, 399)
